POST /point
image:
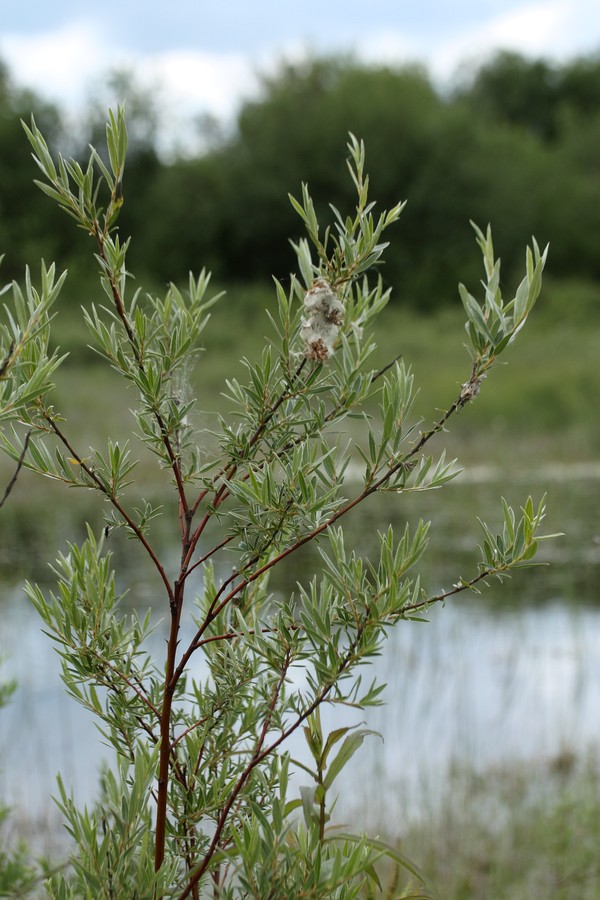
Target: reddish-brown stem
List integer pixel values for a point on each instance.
(256, 757)
(120, 308)
(187, 731)
(222, 494)
(411, 607)
(208, 555)
(228, 473)
(137, 690)
(217, 607)
(89, 471)
(457, 589)
(165, 727)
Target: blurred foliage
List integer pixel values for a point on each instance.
(29, 225)
(515, 832)
(515, 142)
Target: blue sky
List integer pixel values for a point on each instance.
(206, 55)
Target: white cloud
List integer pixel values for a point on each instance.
(534, 29)
(56, 63)
(63, 63)
(67, 64)
(207, 82)
(549, 28)
(60, 64)
(389, 47)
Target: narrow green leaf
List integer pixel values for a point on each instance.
(349, 747)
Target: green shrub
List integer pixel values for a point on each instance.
(199, 798)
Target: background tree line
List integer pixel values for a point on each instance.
(515, 142)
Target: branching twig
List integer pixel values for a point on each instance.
(120, 308)
(223, 493)
(98, 482)
(228, 472)
(386, 368)
(257, 756)
(217, 607)
(20, 462)
(456, 589)
(5, 364)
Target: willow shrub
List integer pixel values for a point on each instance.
(199, 800)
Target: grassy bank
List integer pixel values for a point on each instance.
(527, 832)
(524, 832)
(542, 402)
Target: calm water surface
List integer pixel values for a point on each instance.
(511, 675)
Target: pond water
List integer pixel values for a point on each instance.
(510, 675)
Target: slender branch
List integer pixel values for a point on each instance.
(231, 635)
(141, 694)
(120, 308)
(257, 756)
(386, 368)
(412, 607)
(189, 730)
(20, 462)
(111, 686)
(223, 493)
(208, 555)
(456, 589)
(116, 294)
(270, 540)
(229, 472)
(165, 727)
(216, 606)
(98, 482)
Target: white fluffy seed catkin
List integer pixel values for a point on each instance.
(324, 316)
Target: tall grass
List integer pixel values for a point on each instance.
(523, 832)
